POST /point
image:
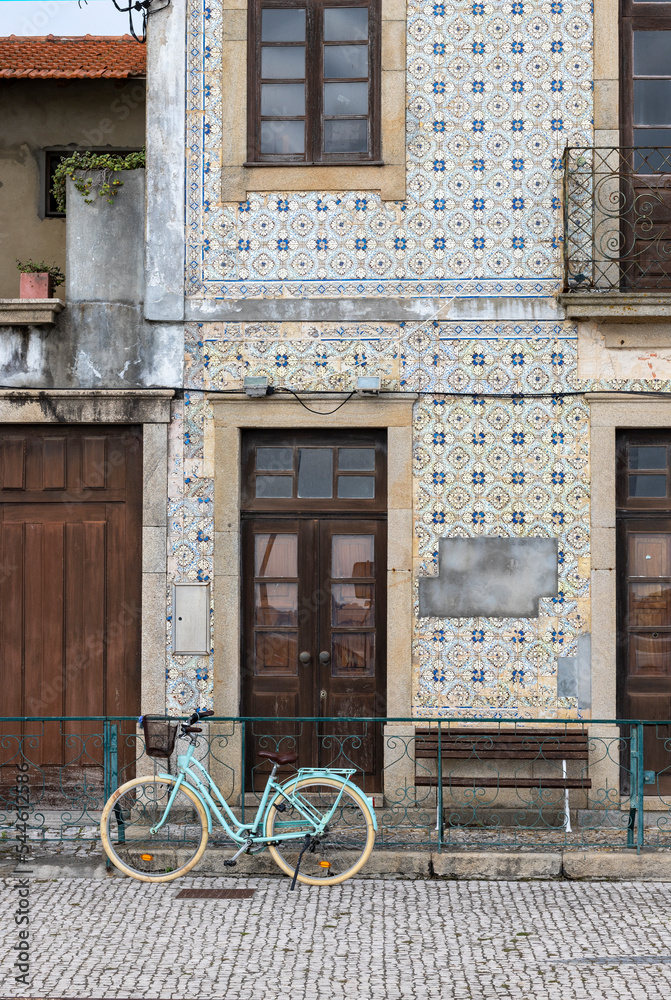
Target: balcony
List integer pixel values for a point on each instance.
(617, 233)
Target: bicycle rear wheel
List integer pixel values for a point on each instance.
(128, 817)
(344, 848)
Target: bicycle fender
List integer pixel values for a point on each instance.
(196, 792)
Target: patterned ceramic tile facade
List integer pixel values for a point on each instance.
(494, 92)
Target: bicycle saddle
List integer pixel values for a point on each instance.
(278, 758)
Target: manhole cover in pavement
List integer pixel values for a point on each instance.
(215, 893)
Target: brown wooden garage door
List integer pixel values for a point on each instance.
(70, 584)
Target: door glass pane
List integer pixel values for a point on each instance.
(282, 25)
(352, 653)
(276, 555)
(276, 604)
(352, 556)
(344, 61)
(652, 53)
(650, 653)
(649, 604)
(315, 473)
(652, 102)
(282, 137)
(649, 554)
(647, 486)
(275, 459)
(647, 457)
(356, 487)
(345, 136)
(352, 605)
(282, 98)
(283, 62)
(356, 459)
(276, 653)
(347, 24)
(274, 486)
(345, 98)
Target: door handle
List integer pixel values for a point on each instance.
(322, 694)
(304, 657)
(324, 657)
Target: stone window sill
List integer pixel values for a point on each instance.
(617, 307)
(29, 312)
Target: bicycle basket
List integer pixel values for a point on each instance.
(159, 735)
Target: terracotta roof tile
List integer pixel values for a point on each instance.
(89, 57)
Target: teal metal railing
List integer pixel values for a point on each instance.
(440, 783)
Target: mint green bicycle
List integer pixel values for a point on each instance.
(317, 825)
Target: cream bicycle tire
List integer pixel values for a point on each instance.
(370, 831)
(126, 869)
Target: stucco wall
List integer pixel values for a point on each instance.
(38, 114)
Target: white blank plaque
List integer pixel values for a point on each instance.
(190, 619)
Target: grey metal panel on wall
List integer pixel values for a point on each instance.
(490, 577)
(190, 619)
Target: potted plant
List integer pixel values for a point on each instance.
(38, 280)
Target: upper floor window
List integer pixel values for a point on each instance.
(314, 81)
(646, 78)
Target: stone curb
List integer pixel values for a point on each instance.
(650, 866)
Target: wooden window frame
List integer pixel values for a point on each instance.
(627, 505)
(314, 81)
(314, 439)
(635, 17)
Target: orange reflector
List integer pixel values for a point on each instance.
(324, 864)
(147, 857)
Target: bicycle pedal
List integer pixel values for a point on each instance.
(230, 864)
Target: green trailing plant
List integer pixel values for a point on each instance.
(35, 267)
(106, 166)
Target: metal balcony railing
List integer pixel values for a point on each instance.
(617, 219)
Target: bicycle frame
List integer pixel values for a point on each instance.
(239, 832)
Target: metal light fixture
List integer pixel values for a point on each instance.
(368, 383)
(255, 385)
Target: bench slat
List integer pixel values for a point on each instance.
(539, 783)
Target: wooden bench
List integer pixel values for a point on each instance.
(485, 746)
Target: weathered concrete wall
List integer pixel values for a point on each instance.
(41, 114)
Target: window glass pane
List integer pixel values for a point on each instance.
(352, 556)
(345, 60)
(649, 604)
(652, 102)
(283, 62)
(276, 554)
(274, 486)
(345, 98)
(356, 487)
(650, 654)
(647, 457)
(352, 653)
(315, 472)
(652, 53)
(345, 136)
(356, 459)
(282, 25)
(347, 24)
(276, 653)
(352, 605)
(282, 98)
(276, 604)
(647, 486)
(280, 459)
(646, 159)
(283, 137)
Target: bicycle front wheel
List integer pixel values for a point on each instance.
(126, 829)
(346, 844)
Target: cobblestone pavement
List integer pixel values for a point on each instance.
(116, 938)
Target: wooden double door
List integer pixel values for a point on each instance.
(644, 603)
(70, 590)
(314, 585)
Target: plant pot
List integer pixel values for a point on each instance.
(37, 285)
